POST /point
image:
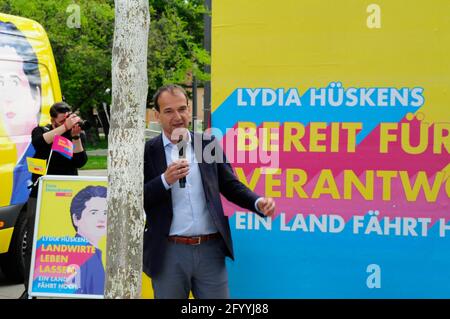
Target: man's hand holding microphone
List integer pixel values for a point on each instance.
(179, 169)
(176, 170)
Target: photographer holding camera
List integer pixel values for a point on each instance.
(68, 125)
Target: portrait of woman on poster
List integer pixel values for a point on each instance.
(88, 215)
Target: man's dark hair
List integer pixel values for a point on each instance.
(171, 88)
(12, 37)
(59, 108)
(79, 201)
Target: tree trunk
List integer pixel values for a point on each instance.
(126, 150)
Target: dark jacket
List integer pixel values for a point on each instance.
(217, 178)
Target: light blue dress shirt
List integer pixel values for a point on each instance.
(190, 213)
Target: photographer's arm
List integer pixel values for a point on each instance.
(77, 145)
(79, 155)
(60, 130)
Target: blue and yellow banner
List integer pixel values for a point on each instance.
(339, 111)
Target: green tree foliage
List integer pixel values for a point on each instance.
(83, 55)
(176, 42)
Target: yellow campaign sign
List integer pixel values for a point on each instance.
(69, 244)
(36, 165)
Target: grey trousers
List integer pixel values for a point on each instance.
(200, 269)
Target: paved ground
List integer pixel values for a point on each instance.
(9, 290)
(99, 152)
(93, 172)
(149, 133)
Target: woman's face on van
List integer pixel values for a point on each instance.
(18, 108)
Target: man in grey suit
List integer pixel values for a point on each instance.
(188, 236)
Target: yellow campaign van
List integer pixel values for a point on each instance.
(29, 85)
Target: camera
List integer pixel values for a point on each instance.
(84, 125)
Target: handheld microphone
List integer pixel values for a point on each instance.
(181, 155)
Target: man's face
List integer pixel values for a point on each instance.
(92, 223)
(18, 108)
(174, 112)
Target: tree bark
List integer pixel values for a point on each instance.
(126, 150)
